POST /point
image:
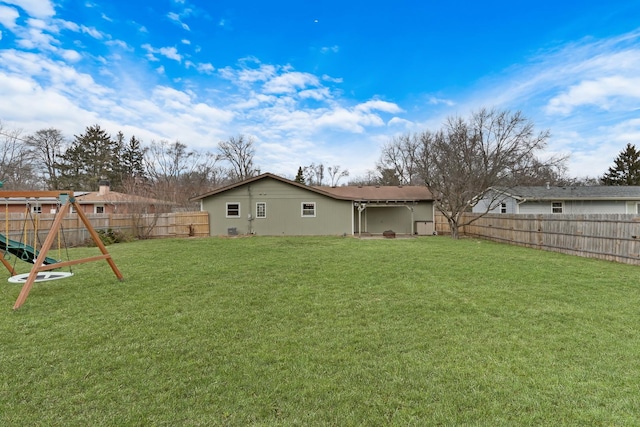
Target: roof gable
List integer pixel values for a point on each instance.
(259, 178)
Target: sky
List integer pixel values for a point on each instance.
(326, 81)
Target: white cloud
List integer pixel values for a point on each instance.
(167, 52)
(328, 78)
(330, 49)
(290, 82)
(435, 101)
(8, 16)
(92, 32)
(205, 68)
(177, 19)
(36, 8)
(353, 120)
(34, 38)
(605, 93)
(387, 107)
(246, 75)
(119, 43)
(171, 53)
(70, 55)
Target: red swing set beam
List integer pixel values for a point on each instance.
(38, 264)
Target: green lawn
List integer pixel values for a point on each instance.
(325, 331)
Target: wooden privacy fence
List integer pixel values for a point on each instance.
(20, 227)
(613, 237)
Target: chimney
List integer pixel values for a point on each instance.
(103, 187)
(548, 185)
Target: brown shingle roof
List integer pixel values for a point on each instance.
(380, 193)
(355, 193)
(113, 197)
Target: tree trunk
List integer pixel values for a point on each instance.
(453, 225)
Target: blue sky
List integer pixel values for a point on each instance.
(323, 82)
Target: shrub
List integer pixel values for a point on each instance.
(110, 236)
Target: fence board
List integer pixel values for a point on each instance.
(20, 227)
(613, 237)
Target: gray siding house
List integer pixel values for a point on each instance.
(562, 200)
(270, 205)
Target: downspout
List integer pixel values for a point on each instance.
(353, 220)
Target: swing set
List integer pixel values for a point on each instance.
(44, 265)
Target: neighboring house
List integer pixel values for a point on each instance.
(101, 201)
(563, 200)
(106, 201)
(271, 205)
(33, 205)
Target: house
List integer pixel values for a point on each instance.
(562, 200)
(102, 201)
(271, 205)
(106, 201)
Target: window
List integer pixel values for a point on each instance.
(308, 209)
(99, 209)
(556, 207)
(261, 210)
(233, 210)
(503, 208)
(36, 209)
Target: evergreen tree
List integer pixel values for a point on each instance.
(300, 176)
(132, 160)
(626, 168)
(92, 156)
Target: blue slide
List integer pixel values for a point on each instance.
(22, 251)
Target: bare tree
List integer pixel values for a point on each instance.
(166, 164)
(238, 152)
(47, 145)
(335, 174)
(17, 169)
(370, 177)
(400, 160)
(313, 174)
(466, 158)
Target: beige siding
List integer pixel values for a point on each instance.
(283, 211)
(376, 219)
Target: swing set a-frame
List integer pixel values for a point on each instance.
(43, 265)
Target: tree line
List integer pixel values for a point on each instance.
(458, 162)
(170, 171)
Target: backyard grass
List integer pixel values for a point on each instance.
(324, 331)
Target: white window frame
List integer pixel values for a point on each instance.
(261, 210)
(36, 209)
(503, 207)
(95, 209)
(227, 209)
(302, 209)
(557, 207)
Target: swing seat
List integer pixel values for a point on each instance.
(41, 277)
